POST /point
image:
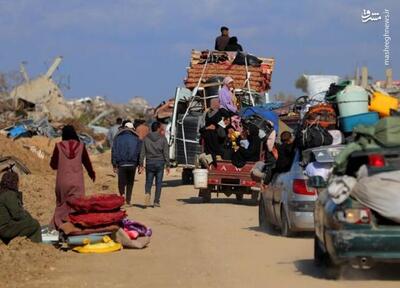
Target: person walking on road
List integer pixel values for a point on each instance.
(155, 150)
(68, 157)
(113, 131)
(124, 158)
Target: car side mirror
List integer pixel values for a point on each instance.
(316, 182)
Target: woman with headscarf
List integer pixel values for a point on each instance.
(67, 159)
(226, 97)
(15, 221)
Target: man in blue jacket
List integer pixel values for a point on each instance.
(125, 157)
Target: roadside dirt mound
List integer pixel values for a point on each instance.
(9, 147)
(38, 187)
(23, 261)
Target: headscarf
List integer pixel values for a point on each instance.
(9, 181)
(69, 133)
(227, 80)
(129, 125)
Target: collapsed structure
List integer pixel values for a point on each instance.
(42, 94)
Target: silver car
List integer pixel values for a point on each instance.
(287, 203)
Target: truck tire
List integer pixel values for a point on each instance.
(187, 176)
(239, 196)
(205, 194)
(255, 195)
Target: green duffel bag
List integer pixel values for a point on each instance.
(387, 131)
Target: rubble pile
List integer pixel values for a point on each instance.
(37, 106)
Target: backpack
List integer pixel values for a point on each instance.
(323, 114)
(314, 136)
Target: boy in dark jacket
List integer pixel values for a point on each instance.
(155, 150)
(15, 221)
(125, 157)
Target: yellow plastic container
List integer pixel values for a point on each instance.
(106, 247)
(383, 103)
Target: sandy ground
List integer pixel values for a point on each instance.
(194, 245)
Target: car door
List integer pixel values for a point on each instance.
(286, 187)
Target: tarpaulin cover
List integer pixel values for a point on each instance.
(97, 203)
(264, 113)
(97, 219)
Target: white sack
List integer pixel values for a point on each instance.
(381, 193)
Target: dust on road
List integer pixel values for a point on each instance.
(207, 245)
(194, 245)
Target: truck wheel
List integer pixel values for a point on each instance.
(239, 196)
(205, 194)
(187, 177)
(255, 196)
(285, 228)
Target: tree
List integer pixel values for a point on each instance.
(301, 83)
(283, 97)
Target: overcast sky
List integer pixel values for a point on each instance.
(126, 48)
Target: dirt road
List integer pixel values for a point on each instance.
(205, 245)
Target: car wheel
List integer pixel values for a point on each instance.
(322, 259)
(285, 228)
(205, 194)
(239, 196)
(319, 254)
(262, 216)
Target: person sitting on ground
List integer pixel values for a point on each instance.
(15, 221)
(233, 45)
(226, 97)
(286, 153)
(68, 157)
(222, 40)
(113, 131)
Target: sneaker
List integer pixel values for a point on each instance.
(147, 200)
(156, 204)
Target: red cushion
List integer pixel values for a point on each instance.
(97, 219)
(96, 203)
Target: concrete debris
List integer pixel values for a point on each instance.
(32, 106)
(42, 95)
(35, 150)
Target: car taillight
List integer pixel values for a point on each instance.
(300, 187)
(376, 160)
(249, 183)
(355, 216)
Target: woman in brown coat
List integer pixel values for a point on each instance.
(67, 159)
